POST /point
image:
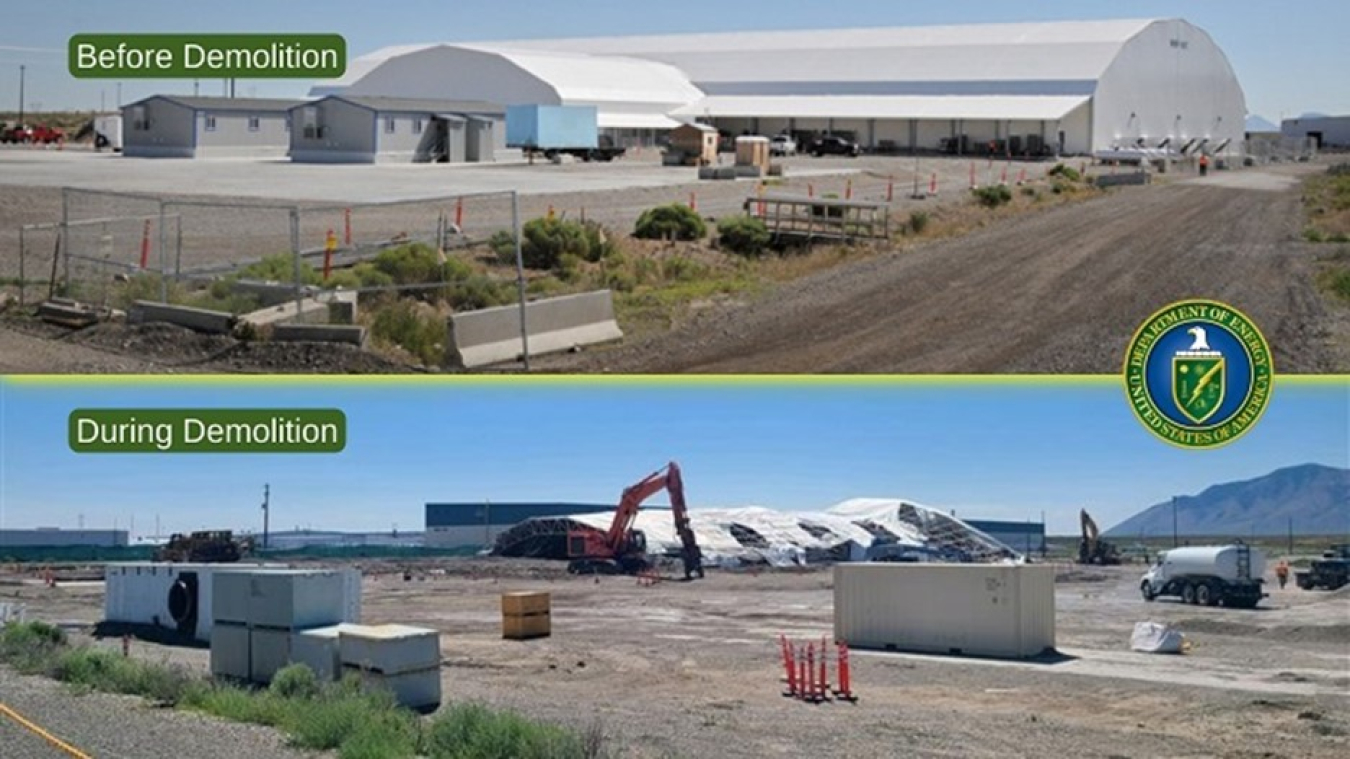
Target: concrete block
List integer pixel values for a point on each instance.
(73, 315)
(389, 649)
(1121, 180)
(296, 599)
(492, 335)
(230, 656)
(199, 319)
(320, 333)
(230, 594)
(270, 293)
(419, 690)
(318, 650)
(269, 650)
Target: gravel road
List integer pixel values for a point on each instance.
(122, 727)
(1053, 292)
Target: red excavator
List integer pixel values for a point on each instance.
(622, 549)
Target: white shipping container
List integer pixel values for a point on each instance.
(1001, 610)
(389, 649)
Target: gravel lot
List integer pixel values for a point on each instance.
(691, 670)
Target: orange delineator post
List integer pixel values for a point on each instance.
(812, 692)
(1022, 177)
(845, 690)
(329, 246)
(801, 674)
(459, 213)
(890, 190)
(972, 175)
(1004, 178)
(932, 185)
(693, 201)
(848, 190)
(810, 190)
(789, 666)
(824, 685)
(347, 226)
(145, 245)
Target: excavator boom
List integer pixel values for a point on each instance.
(624, 547)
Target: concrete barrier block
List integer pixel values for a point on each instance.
(1121, 180)
(270, 293)
(199, 319)
(320, 333)
(492, 335)
(318, 309)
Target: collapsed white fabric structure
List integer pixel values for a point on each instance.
(854, 530)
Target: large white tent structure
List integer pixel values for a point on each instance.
(1071, 87)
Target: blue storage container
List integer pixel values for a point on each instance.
(552, 127)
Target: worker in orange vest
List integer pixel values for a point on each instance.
(1204, 165)
(1282, 573)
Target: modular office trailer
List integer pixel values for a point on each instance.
(1000, 610)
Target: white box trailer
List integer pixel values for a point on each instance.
(178, 597)
(999, 610)
(109, 127)
(166, 595)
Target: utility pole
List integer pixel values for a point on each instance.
(267, 492)
(1175, 536)
(1291, 536)
(22, 69)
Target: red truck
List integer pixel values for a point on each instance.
(42, 135)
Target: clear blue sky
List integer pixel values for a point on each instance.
(1005, 451)
(1290, 58)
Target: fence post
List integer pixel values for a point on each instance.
(178, 249)
(63, 239)
(520, 279)
(21, 255)
(295, 255)
(163, 258)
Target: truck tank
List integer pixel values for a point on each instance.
(1218, 561)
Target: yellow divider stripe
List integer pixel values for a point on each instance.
(46, 736)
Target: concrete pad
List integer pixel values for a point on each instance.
(492, 335)
(199, 319)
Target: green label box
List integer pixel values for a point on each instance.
(207, 56)
(207, 431)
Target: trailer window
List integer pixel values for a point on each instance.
(389, 125)
(210, 123)
(417, 126)
(254, 123)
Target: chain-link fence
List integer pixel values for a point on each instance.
(110, 249)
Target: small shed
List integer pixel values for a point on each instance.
(698, 141)
(752, 152)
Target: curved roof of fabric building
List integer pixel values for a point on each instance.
(1048, 56)
(561, 77)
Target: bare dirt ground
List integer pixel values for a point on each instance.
(1054, 292)
(691, 669)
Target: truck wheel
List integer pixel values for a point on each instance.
(1187, 593)
(1146, 591)
(1204, 596)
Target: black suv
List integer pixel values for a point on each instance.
(832, 144)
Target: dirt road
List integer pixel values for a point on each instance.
(1056, 292)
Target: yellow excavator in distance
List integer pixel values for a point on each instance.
(1092, 549)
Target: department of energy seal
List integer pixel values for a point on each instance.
(1198, 374)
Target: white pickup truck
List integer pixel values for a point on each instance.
(1208, 576)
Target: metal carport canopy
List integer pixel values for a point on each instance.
(970, 107)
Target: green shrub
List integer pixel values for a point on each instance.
(1340, 283)
(1063, 187)
(29, 646)
(280, 268)
(543, 286)
(743, 235)
(503, 246)
(479, 291)
(673, 221)
(993, 196)
(621, 280)
(472, 731)
(570, 267)
(600, 242)
(918, 221)
(295, 681)
(682, 269)
(645, 271)
(414, 264)
(413, 327)
(1313, 234)
(1065, 171)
